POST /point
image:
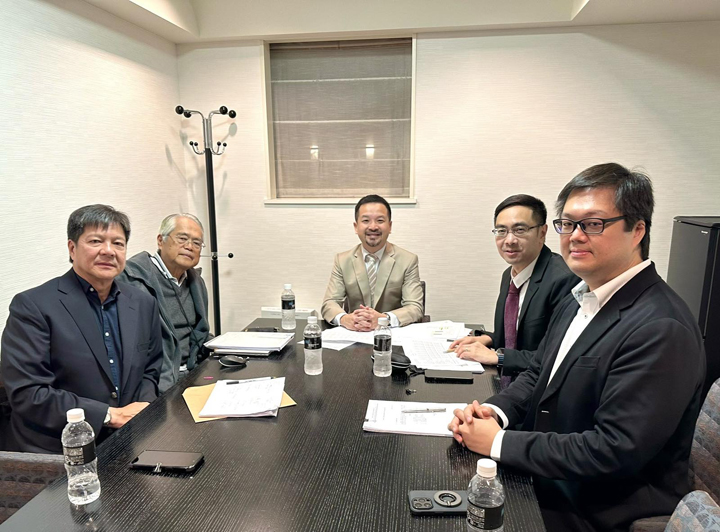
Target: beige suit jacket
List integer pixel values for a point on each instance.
(397, 288)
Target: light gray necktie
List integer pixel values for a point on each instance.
(371, 261)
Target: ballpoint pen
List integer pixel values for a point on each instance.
(424, 411)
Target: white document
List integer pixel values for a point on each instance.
(341, 334)
(431, 354)
(251, 341)
(406, 417)
(335, 346)
(434, 330)
(245, 398)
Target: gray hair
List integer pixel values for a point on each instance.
(98, 215)
(168, 224)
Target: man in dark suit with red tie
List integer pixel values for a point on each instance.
(531, 288)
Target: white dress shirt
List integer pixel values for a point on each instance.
(590, 304)
(394, 322)
(158, 262)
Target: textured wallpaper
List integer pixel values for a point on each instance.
(87, 117)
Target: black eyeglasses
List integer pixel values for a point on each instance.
(589, 226)
(519, 231)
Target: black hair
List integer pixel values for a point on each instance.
(523, 200)
(373, 198)
(633, 195)
(102, 216)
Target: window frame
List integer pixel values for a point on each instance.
(271, 190)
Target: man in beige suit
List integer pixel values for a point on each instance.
(376, 277)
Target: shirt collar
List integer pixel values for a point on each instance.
(522, 277)
(605, 292)
(378, 253)
(87, 288)
(158, 262)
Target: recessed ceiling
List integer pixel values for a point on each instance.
(187, 21)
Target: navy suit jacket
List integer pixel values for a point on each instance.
(550, 283)
(54, 359)
(613, 429)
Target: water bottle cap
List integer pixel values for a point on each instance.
(75, 415)
(287, 286)
(487, 468)
(312, 320)
(383, 321)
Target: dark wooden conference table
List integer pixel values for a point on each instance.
(311, 468)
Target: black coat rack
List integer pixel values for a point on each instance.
(209, 151)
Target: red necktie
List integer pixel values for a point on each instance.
(512, 308)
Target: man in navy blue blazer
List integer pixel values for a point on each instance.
(81, 340)
(609, 403)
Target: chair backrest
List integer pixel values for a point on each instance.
(24, 475)
(705, 455)
(5, 440)
(694, 513)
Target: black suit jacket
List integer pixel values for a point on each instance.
(550, 282)
(614, 427)
(54, 359)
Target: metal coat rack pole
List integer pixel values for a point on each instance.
(209, 151)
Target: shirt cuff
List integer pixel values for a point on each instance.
(394, 322)
(497, 446)
(503, 418)
(336, 319)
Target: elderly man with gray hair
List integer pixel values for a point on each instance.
(170, 276)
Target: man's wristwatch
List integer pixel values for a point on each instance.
(108, 418)
(501, 357)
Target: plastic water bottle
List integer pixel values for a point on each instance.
(486, 499)
(78, 441)
(288, 308)
(382, 349)
(313, 347)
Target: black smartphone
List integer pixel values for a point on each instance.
(443, 502)
(441, 375)
(160, 461)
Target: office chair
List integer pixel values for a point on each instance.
(704, 459)
(24, 475)
(695, 512)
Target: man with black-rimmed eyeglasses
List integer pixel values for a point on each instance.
(170, 275)
(534, 284)
(609, 403)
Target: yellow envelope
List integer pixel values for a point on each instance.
(196, 397)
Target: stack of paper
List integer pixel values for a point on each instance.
(406, 417)
(432, 354)
(434, 330)
(245, 398)
(249, 343)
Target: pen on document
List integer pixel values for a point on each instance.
(423, 411)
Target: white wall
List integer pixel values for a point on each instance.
(87, 117)
(498, 113)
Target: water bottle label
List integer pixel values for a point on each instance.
(75, 456)
(383, 343)
(313, 343)
(288, 304)
(485, 518)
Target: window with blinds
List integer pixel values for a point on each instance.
(341, 117)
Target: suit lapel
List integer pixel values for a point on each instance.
(534, 281)
(383, 274)
(600, 324)
(361, 275)
(76, 303)
(128, 319)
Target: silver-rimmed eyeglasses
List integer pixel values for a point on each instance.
(182, 239)
(519, 231)
(589, 226)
